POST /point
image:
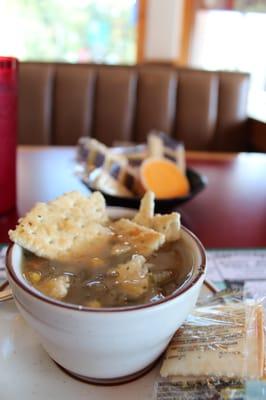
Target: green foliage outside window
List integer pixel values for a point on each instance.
(70, 30)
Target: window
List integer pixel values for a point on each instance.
(233, 39)
(69, 30)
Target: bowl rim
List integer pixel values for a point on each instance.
(200, 270)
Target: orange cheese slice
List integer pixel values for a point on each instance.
(164, 178)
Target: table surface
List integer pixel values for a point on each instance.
(230, 212)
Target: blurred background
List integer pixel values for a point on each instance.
(207, 34)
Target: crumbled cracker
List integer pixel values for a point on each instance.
(97, 262)
(144, 240)
(91, 208)
(64, 229)
(133, 277)
(167, 224)
(93, 304)
(146, 209)
(55, 287)
(34, 276)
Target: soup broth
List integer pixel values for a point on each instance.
(114, 277)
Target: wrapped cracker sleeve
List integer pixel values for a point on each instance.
(216, 352)
(222, 341)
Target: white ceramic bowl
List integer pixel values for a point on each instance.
(108, 345)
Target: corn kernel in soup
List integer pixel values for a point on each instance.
(116, 277)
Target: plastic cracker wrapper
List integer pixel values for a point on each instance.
(116, 170)
(162, 145)
(218, 350)
(103, 169)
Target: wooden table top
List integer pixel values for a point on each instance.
(230, 212)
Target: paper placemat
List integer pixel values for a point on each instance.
(238, 268)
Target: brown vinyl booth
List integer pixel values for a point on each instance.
(58, 103)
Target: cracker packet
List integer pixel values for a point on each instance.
(219, 352)
(115, 170)
(102, 169)
(163, 146)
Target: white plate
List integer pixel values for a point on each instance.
(27, 372)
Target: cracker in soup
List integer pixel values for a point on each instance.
(75, 254)
(55, 287)
(168, 224)
(64, 229)
(146, 209)
(132, 277)
(144, 240)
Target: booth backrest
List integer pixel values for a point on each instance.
(58, 103)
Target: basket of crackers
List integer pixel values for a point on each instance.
(124, 173)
